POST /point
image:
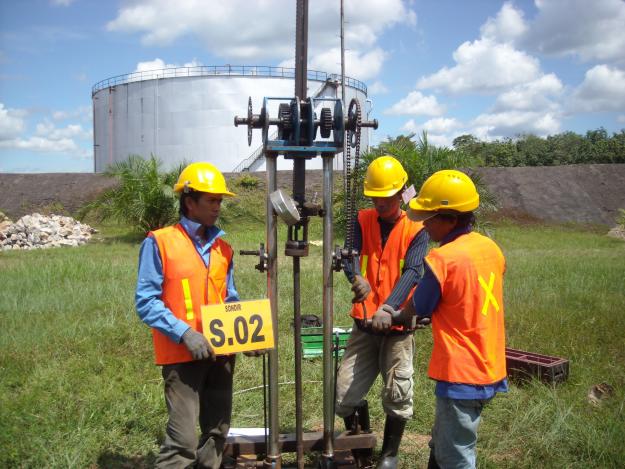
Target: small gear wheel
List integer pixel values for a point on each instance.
(284, 114)
(326, 122)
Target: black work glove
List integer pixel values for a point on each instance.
(383, 319)
(421, 322)
(408, 317)
(198, 345)
(254, 353)
(361, 289)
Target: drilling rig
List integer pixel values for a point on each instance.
(298, 125)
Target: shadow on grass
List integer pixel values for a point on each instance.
(110, 460)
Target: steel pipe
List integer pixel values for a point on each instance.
(273, 452)
(328, 313)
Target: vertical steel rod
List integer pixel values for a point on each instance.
(301, 48)
(328, 313)
(297, 326)
(299, 184)
(273, 453)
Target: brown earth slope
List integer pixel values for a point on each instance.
(575, 193)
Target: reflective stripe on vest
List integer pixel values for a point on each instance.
(382, 267)
(468, 323)
(186, 286)
(188, 302)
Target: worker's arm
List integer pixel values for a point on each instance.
(426, 297)
(150, 307)
(231, 290)
(387, 313)
(360, 285)
(412, 272)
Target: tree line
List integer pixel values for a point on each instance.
(560, 149)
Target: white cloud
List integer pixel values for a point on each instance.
(416, 104)
(377, 88)
(442, 125)
(362, 65)
(260, 30)
(588, 30)
(42, 144)
(62, 3)
(620, 118)
(84, 113)
(11, 123)
(47, 138)
(49, 131)
(483, 66)
(440, 131)
(507, 26)
(603, 89)
(514, 122)
(535, 95)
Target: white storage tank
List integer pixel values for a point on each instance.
(187, 113)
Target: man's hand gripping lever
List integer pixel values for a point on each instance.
(408, 318)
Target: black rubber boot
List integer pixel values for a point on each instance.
(393, 431)
(356, 423)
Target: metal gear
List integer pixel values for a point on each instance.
(326, 122)
(284, 114)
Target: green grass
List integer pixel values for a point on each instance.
(78, 387)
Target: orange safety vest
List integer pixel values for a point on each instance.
(468, 323)
(382, 267)
(187, 284)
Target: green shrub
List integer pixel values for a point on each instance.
(144, 198)
(247, 181)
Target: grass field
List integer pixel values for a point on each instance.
(78, 387)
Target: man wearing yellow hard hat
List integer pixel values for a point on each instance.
(462, 292)
(391, 249)
(182, 267)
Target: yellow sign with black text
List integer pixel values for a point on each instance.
(238, 327)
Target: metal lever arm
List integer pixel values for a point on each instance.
(262, 255)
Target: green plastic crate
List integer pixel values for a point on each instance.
(312, 340)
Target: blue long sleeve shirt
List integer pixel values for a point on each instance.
(425, 299)
(150, 306)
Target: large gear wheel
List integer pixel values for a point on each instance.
(354, 118)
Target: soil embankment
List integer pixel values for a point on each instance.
(575, 193)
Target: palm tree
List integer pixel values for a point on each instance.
(144, 198)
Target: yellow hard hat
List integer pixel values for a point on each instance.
(444, 190)
(202, 177)
(385, 177)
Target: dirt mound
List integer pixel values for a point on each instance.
(61, 193)
(574, 193)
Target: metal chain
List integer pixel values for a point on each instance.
(347, 183)
(352, 206)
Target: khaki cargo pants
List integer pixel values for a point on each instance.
(368, 355)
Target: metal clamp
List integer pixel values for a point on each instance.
(262, 255)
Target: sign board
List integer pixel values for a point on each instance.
(238, 327)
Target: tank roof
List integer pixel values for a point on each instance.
(224, 70)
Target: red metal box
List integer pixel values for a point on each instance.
(526, 365)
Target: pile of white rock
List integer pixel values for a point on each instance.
(38, 231)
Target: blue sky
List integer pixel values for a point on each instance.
(490, 68)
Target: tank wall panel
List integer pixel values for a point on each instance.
(189, 118)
